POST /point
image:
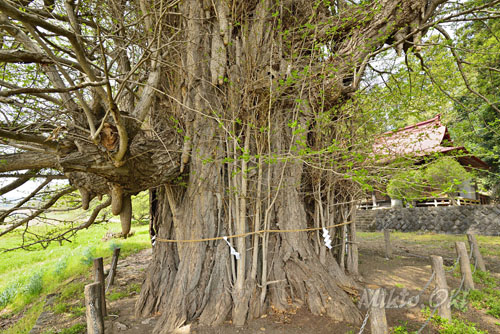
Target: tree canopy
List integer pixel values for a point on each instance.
(237, 116)
(455, 75)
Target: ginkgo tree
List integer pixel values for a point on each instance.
(238, 116)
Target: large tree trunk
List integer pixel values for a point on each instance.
(188, 281)
(252, 105)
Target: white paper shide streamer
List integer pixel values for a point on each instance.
(233, 251)
(328, 240)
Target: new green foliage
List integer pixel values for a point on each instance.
(445, 175)
(406, 185)
(442, 177)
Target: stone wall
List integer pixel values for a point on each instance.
(481, 219)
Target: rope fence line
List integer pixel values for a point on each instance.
(427, 284)
(242, 235)
(367, 315)
(428, 320)
(365, 321)
(475, 259)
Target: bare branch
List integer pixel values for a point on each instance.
(24, 200)
(22, 179)
(50, 69)
(47, 205)
(29, 138)
(20, 56)
(115, 113)
(88, 113)
(94, 214)
(34, 20)
(11, 92)
(62, 18)
(37, 176)
(481, 66)
(71, 232)
(41, 95)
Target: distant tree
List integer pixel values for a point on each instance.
(477, 118)
(408, 185)
(456, 77)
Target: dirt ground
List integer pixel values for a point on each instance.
(409, 269)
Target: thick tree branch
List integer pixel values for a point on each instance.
(49, 90)
(34, 20)
(29, 138)
(36, 176)
(40, 95)
(27, 160)
(20, 56)
(22, 179)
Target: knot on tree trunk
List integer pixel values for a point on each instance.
(109, 137)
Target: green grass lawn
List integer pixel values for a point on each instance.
(27, 276)
(489, 245)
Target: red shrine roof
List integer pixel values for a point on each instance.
(423, 139)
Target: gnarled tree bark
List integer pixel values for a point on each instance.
(230, 127)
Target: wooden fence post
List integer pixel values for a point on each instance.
(388, 247)
(93, 303)
(352, 264)
(444, 309)
(112, 272)
(99, 277)
(476, 252)
(464, 265)
(378, 321)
